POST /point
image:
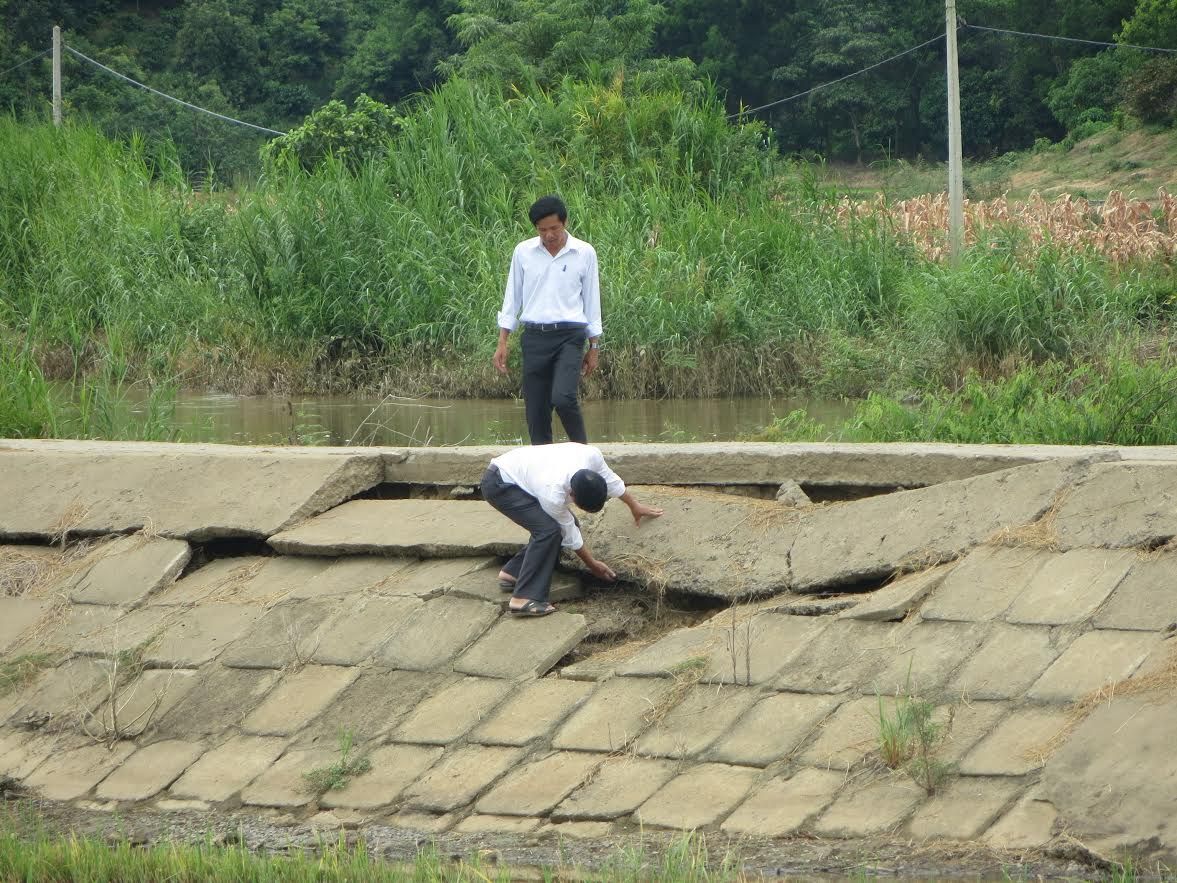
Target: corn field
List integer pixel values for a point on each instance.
(1122, 229)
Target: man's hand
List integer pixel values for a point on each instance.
(590, 362)
(601, 570)
(500, 358)
(641, 510)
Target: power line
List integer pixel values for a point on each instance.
(221, 116)
(29, 60)
(1068, 39)
(839, 80)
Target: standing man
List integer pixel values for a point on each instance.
(536, 487)
(554, 291)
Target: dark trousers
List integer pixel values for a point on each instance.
(533, 567)
(551, 374)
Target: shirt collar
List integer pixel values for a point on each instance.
(571, 244)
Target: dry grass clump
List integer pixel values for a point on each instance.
(1040, 534)
(1121, 229)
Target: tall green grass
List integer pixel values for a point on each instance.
(724, 270)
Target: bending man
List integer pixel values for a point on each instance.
(536, 487)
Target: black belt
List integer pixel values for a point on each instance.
(554, 326)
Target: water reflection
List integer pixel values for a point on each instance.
(397, 421)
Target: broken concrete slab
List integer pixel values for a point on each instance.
(618, 712)
(1144, 600)
(874, 809)
(774, 727)
(844, 656)
(95, 488)
(83, 628)
(21, 752)
(132, 633)
(448, 715)
(928, 655)
(698, 797)
(781, 806)
(376, 702)
(1112, 781)
(421, 528)
(963, 809)
(223, 771)
(1068, 587)
(284, 635)
(200, 634)
(149, 770)
(484, 585)
(71, 773)
(983, 585)
(516, 648)
(17, 615)
(360, 629)
(620, 785)
(533, 713)
(963, 724)
(862, 540)
(459, 777)
(218, 701)
(708, 544)
(65, 695)
(1007, 663)
(277, 579)
(703, 715)
(1019, 744)
(283, 784)
(536, 787)
(1093, 661)
(432, 635)
(298, 698)
(896, 600)
(1119, 506)
(131, 569)
(394, 768)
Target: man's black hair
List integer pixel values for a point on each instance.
(589, 490)
(547, 205)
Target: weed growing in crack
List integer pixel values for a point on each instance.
(336, 776)
(909, 736)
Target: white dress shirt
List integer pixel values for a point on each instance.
(545, 472)
(542, 288)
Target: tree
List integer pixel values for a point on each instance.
(352, 136)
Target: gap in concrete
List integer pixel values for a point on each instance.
(859, 587)
(843, 493)
(211, 550)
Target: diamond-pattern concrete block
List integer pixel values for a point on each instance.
(427, 579)
(849, 735)
(69, 774)
(450, 714)
(964, 724)
(703, 715)
(701, 796)
(1018, 745)
(436, 632)
(67, 693)
(220, 577)
(131, 569)
(984, 584)
(459, 777)
(1145, 599)
(783, 805)
(283, 784)
(1010, 660)
(616, 714)
(136, 630)
(879, 807)
(894, 601)
(1028, 825)
(930, 653)
(375, 703)
(218, 701)
(533, 713)
(226, 769)
(775, 726)
(21, 752)
(200, 634)
(515, 647)
(394, 768)
(141, 703)
(84, 628)
(285, 635)
(620, 785)
(16, 615)
(1069, 587)
(963, 808)
(1093, 661)
(536, 787)
(1119, 505)
(361, 628)
(278, 579)
(347, 576)
(297, 699)
(843, 657)
(483, 824)
(149, 770)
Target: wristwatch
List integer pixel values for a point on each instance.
(594, 346)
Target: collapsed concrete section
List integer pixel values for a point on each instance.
(145, 673)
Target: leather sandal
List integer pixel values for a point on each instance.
(532, 608)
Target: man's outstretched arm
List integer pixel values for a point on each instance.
(639, 510)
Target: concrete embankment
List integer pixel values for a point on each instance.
(929, 642)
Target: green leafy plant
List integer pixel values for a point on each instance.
(336, 776)
(909, 735)
(353, 136)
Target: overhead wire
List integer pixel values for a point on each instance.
(29, 60)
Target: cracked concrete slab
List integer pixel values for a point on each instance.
(517, 647)
(896, 600)
(701, 717)
(984, 584)
(927, 657)
(283, 785)
(614, 715)
(219, 700)
(774, 727)
(844, 656)
(1019, 744)
(421, 528)
(459, 777)
(199, 635)
(394, 768)
(874, 809)
(298, 698)
(535, 788)
(1092, 662)
(1069, 587)
(533, 713)
(451, 713)
(620, 785)
(698, 797)
(131, 569)
(358, 630)
(374, 704)
(431, 636)
(284, 635)
(1007, 663)
(70, 774)
(1144, 599)
(149, 770)
(102, 488)
(963, 809)
(1119, 506)
(17, 615)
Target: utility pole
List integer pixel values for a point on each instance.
(955, 161)
(57, 76)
